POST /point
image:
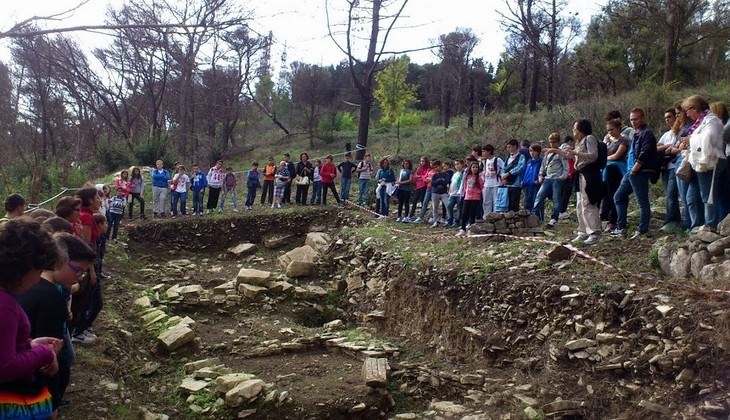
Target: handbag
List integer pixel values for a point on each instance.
(684, 171)
(301, 180)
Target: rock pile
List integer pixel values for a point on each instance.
(705, 255)
(520, 223)
(173, 332)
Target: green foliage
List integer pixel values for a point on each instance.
(599, 288)
(147, 153)
(654, 258)
(342, 121)
(394, 94)
(409, 119)
(112, 155)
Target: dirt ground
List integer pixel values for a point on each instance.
(126, 372)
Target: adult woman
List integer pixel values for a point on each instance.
(304, 172)
(386, 185)
(419, 177)
(707, 157)
(617, 146)
(160, 187)
(69, 208)
(25, 251)
(585, 155)
(136, 190)
(689, 189)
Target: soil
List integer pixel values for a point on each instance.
(428, 307)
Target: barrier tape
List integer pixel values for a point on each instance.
(32, 207)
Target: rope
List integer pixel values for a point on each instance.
(32, 207)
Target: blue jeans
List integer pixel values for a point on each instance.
(113, 228)
(363, 197)
(345, 188)
(384, 200)
(552, 188)
(198, 201)
(671, 192)
(530, 194)
(639, 185)
(251, 196)
(425, 203)
(91, 310)
(316, 193)
(234, 197)
(712, 180)
(182, 197)
(454, 203)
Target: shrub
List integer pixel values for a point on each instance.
(112, 156)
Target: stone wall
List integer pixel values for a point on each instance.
(520, 223)
(704, 255)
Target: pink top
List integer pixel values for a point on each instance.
(123, 184)
(18, 360)
(328, 172)
(473, 187)
(421, 174)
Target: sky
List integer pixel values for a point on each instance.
(301, 25)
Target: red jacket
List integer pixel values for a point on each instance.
(328, 172)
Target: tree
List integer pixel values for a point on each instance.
(455, 49)
(394, 94)
(373, 15)
(311, 91)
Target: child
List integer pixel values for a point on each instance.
(328, 172)
(180, 185)
(530, 182)
(427, 194)
(553, 172)
(405, 186)
(215, 184)
(454, 204)
(472, 195)
(364, 171)
(252, 182)
(229, 187)
(136, 190)
(514, 169)
(386, 186)
(346, 168)
(316, 183)
(268, 188)
(419, 178)
(198, 184)
(280, 182)
(116, 211)
(439, 191)
(47, 307)
(101, 226)
(490, 178)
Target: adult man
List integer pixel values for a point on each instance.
(14, 207)
(645, 164)
(666, 149)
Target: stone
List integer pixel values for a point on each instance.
(243, 249)
(723, 228)
(698, 260)
(223, 289)
(716, 275)
(532, 221)
(375, 372)
(254, 277)
(563, 408)
(531, 413)
(244, 414)
(664, 309)
(319, 241)
(250, 291)
(471, 379)
(559, 253)
(528, 401)
(143, 302)
(579, 344)
(148, 415)
(278, 241)
(354, 283)
(706, 236)
(657, 408)
(718, 247)
(685, 376)
(448, 408)
(244, 391)
(680, 264)
(281, 287)
(177, 336)
(665, 247)
(310, 292)
(337, 324)
(192, 385)
(199, 364)
(225, 383)
(299, 262)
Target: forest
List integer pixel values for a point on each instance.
(191, 81)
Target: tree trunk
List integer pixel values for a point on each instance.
(470, 121)
(446, 106)
(366, 101)
(532, 106)
(552, 56)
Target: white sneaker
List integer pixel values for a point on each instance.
(397, 219)
(563, 215)
(592, 239)
(435, 224)
(84, 338)
(417, 220)
(581, 237)
(552, 223)
(461, 232)
(235, 210)
(273, 206)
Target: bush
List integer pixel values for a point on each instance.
(148, 153)
(343, 121)
(113, 156)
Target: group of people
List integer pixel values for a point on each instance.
(50, 297)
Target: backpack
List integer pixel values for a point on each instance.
(602, 155)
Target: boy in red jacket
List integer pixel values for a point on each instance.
(328, 172)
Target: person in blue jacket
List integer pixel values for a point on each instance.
(530, 183)
(160, 188)
(514, 169)
(198, 182)
(252, 183)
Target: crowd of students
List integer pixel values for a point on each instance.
(51, 261)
